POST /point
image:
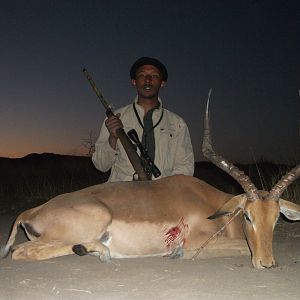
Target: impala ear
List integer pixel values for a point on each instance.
(290, 210)
(230, 207)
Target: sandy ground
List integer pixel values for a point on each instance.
(74, 277)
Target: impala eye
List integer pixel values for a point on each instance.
(247, 218)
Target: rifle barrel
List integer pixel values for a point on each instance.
(106, 105)
(133, 157)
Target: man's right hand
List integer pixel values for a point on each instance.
(112, 124)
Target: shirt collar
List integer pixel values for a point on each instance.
(141, 110)
(157, 113)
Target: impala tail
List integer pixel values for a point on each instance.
(5, 249)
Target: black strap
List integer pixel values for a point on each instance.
(138, 117)
(148, 140)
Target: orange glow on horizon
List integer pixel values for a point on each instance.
(80, 151)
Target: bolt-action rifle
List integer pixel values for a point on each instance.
(130, 149)
(147, 163)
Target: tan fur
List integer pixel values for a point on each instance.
(139, 219)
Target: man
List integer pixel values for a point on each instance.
(164, 134)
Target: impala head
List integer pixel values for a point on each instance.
(260, 218)
(260, 209)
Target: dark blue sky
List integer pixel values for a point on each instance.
(246, 51)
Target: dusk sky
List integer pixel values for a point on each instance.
(248, 52)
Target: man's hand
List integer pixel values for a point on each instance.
(112, 124)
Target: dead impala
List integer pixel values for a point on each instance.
(172, 216)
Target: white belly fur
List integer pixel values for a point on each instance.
(128, 240)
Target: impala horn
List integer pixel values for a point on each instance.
(249, 188)
(283, 183)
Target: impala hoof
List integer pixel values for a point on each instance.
(79, 250)
(177, 253)
(105, 258)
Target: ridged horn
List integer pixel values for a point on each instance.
(283, 183)
(249, 188)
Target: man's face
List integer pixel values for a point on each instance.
(148, 82)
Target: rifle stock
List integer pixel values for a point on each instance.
(132, 155)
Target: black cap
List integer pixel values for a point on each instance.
(149, 61)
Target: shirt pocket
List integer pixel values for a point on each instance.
(167, 132)
(166, 145)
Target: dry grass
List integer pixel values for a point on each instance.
(292, 193)
(33, 180)
(264, 175)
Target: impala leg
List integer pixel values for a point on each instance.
(178, 252)
(193, 242)
(93, 248)
(41, 250)
(205, 247)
